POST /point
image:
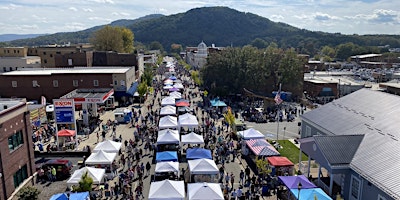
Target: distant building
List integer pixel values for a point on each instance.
(17, 164)
(197, 56)
(13, 58)
(56, 82)
(324, 89)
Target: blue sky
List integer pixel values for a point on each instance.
(334, 16)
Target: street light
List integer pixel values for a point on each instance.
(299, 188)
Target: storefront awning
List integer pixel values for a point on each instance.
(133, 88)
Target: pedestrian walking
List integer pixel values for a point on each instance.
(148, 167)
(241, 177)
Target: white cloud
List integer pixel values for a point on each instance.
(101, 19)
(385, 16)
(87, 10)
(276, 17)
(73, 9)
(103, 1)
(324, 16)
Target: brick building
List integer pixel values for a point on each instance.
(13, 58)
(16, 151)
(56, 82)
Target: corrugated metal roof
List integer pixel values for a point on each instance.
(375, 115)
(338, 149)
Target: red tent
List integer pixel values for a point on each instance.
(279, 161)
(66, 133)
(182, 104)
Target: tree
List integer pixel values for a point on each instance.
(230, 119)
(262, 166)
(111, 38)
(155, 45)
(142, 89)
(85, 184)
(28, 193)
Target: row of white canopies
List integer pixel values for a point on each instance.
(169, 136)
(103, 154)
(186, 120)
(175, 190)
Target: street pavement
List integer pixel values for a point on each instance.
(126, 132)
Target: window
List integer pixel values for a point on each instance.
(69, 61)
(115, 82)
(55, 83)
(122, 83)
(35, 83)
(308, 131)
(14, 84)
(51, 55)
(75, 83)
(20, 176)
(15, 140)
(95, 82)
(45, 60)
(44, 53)
(355, 187)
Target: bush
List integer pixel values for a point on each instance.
(28, 193)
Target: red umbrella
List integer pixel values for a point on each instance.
(182, 103)
(66, 133)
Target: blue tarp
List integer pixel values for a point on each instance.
(133, 88)
(59, 196)
(197, 153)
(307, 194)
(167, 156)
(172, 78)
(292, 182)
(218, 103)
(79, 196)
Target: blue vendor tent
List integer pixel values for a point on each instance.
(197, 153)
(166, 156)
(311, 193)
(79, 196)
(59, 196)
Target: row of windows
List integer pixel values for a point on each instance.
(8, 51)
(15, 141)
(20, 176)
(35, 83)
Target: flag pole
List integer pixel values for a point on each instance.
(278, 114)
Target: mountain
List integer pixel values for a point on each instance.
(222, 26)
(10, 37)
(76, 37)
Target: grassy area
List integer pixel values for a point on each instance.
(290, 151)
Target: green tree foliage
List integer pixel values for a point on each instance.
(259, 43)
(155, 45)
(28, 193)
(147, 76)
(176, 48)
(142, 89)
(260, 70)
(196, 77)
(110, 38)
(230, 118)
(262, 166)
(85, 184)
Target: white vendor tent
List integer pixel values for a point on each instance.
(188, 120)
(168, 122)
(168, 110)
(192, 138)
(168, 136)
(169, 166)
(175, 95)
(178, 85)
(205, 191)
(202, 166)
(100, 157)
(108, 146)
(167, 87)
(251, 134)
(168, 101)
(95, 173)
(167, 189)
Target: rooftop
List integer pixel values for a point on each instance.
(6, 103)
(75, 70)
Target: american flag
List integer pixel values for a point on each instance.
(277, 98)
